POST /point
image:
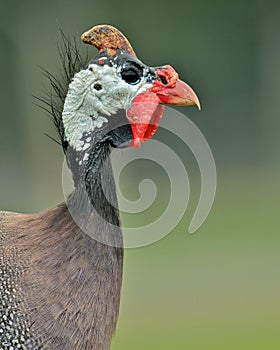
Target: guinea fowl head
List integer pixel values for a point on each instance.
(118, 99)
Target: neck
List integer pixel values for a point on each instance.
(94, 202)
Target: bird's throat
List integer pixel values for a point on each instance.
(94, 201)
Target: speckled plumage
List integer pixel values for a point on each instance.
(14, 321)
(60, 289)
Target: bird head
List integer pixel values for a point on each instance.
(118, 96)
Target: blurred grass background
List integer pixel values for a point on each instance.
(218, 289)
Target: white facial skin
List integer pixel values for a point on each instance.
(92, 92)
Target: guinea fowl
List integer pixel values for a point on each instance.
(61, 269)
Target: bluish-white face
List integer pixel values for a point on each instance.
(96, 94)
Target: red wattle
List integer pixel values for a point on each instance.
(144, 116)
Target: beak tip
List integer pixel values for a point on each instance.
(195, 100)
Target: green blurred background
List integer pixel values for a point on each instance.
(219, 288)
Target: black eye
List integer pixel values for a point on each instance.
(131, 76)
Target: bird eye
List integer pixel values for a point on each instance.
(131, 76)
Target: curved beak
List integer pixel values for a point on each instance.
(146, 109)
(179, 95)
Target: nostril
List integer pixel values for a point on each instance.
(167, 75)
(163, 80)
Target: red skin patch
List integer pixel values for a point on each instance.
(144, 116)
(170, 77)
(146, 109)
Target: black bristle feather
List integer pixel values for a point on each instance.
(53, 100)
